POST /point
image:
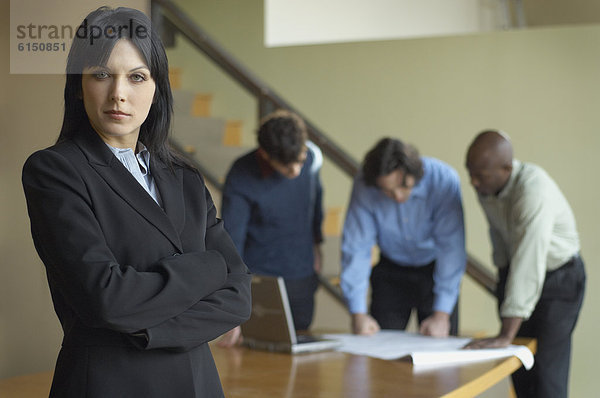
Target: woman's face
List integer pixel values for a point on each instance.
(117, 97)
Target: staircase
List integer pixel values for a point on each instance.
(212, 138)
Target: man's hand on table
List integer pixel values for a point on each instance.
(364, 324)
(510, 327)
(436, 325)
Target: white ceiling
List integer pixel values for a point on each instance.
(301, 22)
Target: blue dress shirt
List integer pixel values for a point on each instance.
(428, 226)
(139, 167)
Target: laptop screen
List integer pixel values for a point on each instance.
(271, 318)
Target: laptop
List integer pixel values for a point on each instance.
(271, 326)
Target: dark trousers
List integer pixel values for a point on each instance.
(301, 295)
(551, 323)
(397, 289)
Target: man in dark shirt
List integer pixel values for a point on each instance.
(272, 208)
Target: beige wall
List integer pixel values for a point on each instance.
(30, 115)
(540, 85)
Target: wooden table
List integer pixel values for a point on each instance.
(248, 373)
(36, 385)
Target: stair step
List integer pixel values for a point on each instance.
(331, 255)
(207, 129)
(332, 224)
(189, 103)
(204, 137)
(233, 133)
(175, 77)
(201, 105)
(183, 101)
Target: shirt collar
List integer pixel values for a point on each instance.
(266, 170)
(505, 192)
(420, 189)
(516, 167)
(142, 156)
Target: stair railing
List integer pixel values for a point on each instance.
(268, 100)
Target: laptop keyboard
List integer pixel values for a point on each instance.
(305, 338)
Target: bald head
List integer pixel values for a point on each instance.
(491, 146)
(489, 161)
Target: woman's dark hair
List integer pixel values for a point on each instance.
(389, 155)
(282, 135)
(92, 45)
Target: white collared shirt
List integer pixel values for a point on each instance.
(533, 230)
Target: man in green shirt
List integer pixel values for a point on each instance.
(536, 249)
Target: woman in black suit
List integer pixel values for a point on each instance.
(142, 273)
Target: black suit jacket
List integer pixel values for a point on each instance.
(118, 264)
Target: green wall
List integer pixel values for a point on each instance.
(541, 86)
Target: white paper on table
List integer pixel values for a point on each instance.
(426, 352)
(425, 360)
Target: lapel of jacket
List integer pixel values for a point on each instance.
(170, 186)
(125, 185)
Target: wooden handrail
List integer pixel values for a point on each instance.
(332, 288)
(203, 42)
(481, 274)
(208, 176)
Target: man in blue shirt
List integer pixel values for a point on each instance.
(272, 209)
(411, 207)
